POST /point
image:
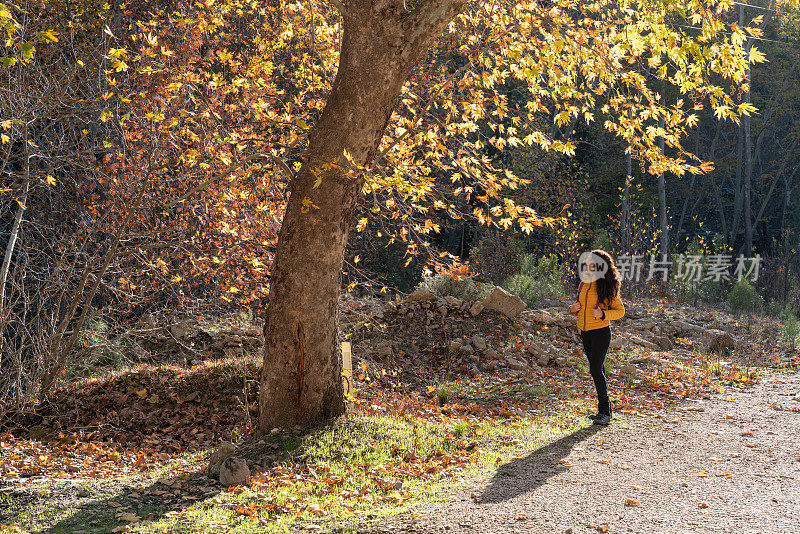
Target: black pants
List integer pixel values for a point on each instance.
(595, 343)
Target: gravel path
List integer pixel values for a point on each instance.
(747, 450)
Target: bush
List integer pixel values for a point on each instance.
(774, 308)
(744, 297)
(790, 329)
(539, 278)
(443, 285)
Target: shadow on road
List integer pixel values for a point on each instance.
(526, 474)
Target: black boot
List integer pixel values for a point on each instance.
(602, 419)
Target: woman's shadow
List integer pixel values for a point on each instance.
(521, 476)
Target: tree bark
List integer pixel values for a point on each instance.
(748, 158)
(381, 41)
(662, 199)
(626, 205)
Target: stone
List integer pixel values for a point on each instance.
(420, 295)
(719, 341)
(643, 342)
(515, 364)
(542, 351)
(664, 342)
(646, 360)
(453, 302)
(467, 349)
(479, 342)
(384, 350)
(560, 362)
(180, 330)
(617, 342)
(635, 312)
(683, 327)
(627, 370)
(476, 308)
(223, 452)
(253, 330)
(234, 472)
(148, 320)
(566, 320)
(504, 302)
(454, 347)
(540, 316)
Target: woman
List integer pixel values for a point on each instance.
(596, 304)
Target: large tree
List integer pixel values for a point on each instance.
(381, 42)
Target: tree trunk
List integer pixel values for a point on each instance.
(662, 199)
(626, 206)
(748, 159)
(301, 377)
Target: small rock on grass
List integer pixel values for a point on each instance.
(223, 452)
(234, 472)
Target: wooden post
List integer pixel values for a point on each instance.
(347, 371)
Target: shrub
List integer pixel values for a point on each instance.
(790, 329)
(744, 297)
(539, 278)
(774, 308)
(99, 349)
(443, 285)
(443, 395)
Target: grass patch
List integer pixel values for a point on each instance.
(370, 457)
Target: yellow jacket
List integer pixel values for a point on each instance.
(588, 299)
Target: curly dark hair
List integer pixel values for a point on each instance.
(608, 286)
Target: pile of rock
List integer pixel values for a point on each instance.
(475, 353)
(194, 338)
(545, 354)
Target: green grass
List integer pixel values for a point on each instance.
(348, 448)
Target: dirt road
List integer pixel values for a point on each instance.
(728, 464)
